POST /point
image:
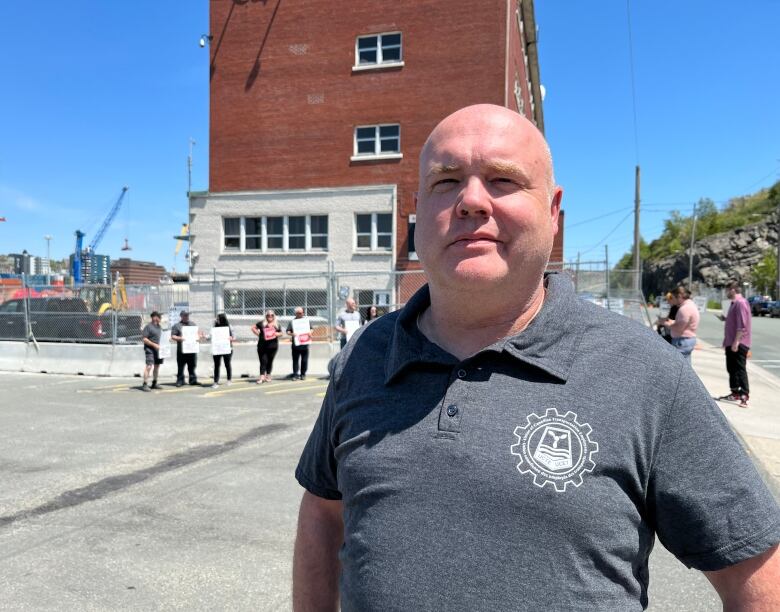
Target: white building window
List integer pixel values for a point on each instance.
(318, 230)
(269, 234)
(374, 231)
(377, 142)
(379, 50)
(253, 233)
(232, 233)
(274, 233)
(296, 233)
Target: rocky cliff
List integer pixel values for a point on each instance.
(716, 259)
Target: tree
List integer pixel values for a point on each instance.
(764, 274)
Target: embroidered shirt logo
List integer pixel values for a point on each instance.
(555, 449)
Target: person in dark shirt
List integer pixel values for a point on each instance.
(182, 358)
(151, 339)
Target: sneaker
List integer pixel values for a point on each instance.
(303, 377)
(731, 397)
(145, 387)
(179, 383)
(229, 382)
(743, 400)
(155, 385)
(215, 386)
(296, 377)
(194, 383)
(260, 381)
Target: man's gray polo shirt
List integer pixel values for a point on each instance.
(532, 475)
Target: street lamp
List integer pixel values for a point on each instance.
(47, 238)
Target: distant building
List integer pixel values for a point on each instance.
(137, 272)
(315, 138)
(95, 268)
(22, 263)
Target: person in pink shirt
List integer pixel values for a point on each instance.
(686, 320)
(736, 342)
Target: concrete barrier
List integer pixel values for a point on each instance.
(12, 355)
(66, 358)
(125, 360)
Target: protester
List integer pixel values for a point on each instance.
(300, 352)
(683, 325)
(500, 444)
(267, 332)
(222, 321)
(151, 335)
(350, 313)
(663, 331)
(182, 358)
(371, 314)
(736, 342)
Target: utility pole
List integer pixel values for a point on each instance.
(690, 252)
(637, 262)
(189, 168)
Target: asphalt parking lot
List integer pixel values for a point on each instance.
(180, 499)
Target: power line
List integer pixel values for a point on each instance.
(609, 214)
(612, 231)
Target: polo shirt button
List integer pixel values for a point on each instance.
(461, 373)
(452, 410)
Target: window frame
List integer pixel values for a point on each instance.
(380, 52)
(225, 235)
(374, 235)
(284, 234)
(377, 140)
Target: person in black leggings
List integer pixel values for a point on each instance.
(222, 321)
(267, 332)
(300, 352)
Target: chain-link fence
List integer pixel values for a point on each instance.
(103, 314)
(117, 313)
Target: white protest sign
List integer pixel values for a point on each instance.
(165, 345)
(220, 341)
(302, 330)
(190, 342)
(351, 327)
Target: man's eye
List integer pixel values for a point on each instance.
(443, 183)
(503, 180)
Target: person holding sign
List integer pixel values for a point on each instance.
(185, 355)
(267, 332)
(151, 336)
(300, 330)
(348, 321)
(222, 347)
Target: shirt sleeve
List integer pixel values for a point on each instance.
(710, 506)
(742, 312)
(316, 471)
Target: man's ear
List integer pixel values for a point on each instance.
(555, 207)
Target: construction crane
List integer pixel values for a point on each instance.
(80, 252)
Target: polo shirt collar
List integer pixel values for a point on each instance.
(548, 343)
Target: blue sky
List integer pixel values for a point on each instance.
(99, 94)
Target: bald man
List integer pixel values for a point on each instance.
(499, 444)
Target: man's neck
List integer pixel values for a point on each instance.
(463, 325)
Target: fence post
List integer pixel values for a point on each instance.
(214, 294)
(331, 279)
(26, 302)
(606, 268)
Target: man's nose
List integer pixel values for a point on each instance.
(474, 199)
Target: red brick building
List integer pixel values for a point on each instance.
(136, 272)
(317, 105)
